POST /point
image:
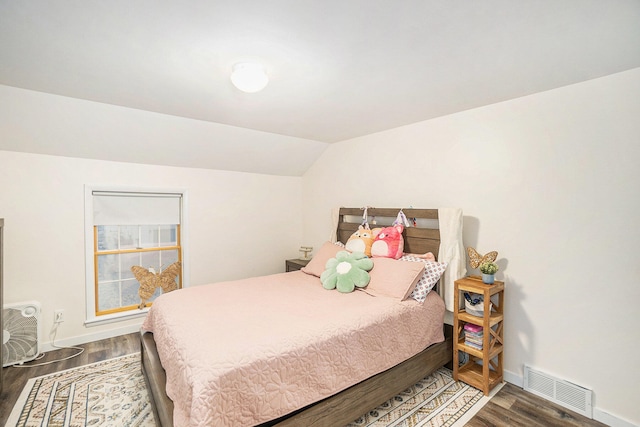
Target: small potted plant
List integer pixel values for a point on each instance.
(488, 270)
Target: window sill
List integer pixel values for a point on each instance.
(115, 317)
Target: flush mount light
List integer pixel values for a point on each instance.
(249, 77)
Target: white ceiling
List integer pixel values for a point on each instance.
(338, 69)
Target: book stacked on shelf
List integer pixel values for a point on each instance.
(473, 336)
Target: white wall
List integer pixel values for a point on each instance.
(550, 181)
(240, 225)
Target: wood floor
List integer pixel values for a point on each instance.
(510, 407)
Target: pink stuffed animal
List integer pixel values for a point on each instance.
(388, 243)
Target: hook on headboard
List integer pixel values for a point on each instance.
(401, 219)
(365, 216)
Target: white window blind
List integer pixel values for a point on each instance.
(135, 208)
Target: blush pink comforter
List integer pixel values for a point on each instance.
(245, 352)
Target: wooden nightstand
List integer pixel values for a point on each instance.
(487, 374)
(295, 264)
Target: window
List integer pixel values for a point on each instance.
(128, 228)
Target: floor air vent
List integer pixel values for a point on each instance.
(564, 393)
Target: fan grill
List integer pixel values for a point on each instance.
(19, 334)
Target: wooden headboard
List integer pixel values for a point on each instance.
(425, 237)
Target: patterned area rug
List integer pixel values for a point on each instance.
(436, 400)
(113, 393)
(108, 393)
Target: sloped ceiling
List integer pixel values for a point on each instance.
(338, 69)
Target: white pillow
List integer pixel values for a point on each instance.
(432, 272)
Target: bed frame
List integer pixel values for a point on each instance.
(346, 406)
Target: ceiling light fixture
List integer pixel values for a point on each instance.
(249, 77)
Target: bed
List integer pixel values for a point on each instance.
(340, 380)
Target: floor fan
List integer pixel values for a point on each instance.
(20, 332)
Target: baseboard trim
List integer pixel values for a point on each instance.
(95, 336)
(611, 420)
(513, 378)
(598, 414)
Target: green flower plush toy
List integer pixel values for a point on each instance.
(347, 271)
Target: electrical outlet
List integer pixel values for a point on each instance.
(58, 316)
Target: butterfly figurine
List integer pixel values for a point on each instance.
(475, 259)
(149, 281)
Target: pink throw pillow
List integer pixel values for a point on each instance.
(318, 262)
(393, 278)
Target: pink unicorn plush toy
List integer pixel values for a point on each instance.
(388, 243)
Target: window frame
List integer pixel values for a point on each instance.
(91, 318)
(120, 251)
